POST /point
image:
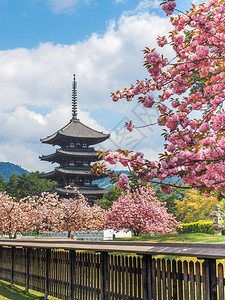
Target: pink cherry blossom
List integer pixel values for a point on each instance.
(123, 181)
(169, 7)
(148, 101)
(48, 212)
(162, 42)
(179, 38)
(189, 99)
(140, 212)
(130, 126)
(112, 158)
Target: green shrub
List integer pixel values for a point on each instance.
(197, 227)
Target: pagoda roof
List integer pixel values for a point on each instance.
(74, 172)
(69, 153)
(86, 191)
(75, 130)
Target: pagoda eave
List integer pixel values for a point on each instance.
(85, 192)
(59, 172)
(59, 138)
(76, 130)
(54, 157)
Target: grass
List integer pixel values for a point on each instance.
(187, 237)
(18, 293)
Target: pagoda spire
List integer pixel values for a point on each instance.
(74, 99)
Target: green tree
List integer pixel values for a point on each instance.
(175, 195)
(2, 184)
(31, 184)
(110, 197)
(11, 186)
(195, 207)
(20, 186)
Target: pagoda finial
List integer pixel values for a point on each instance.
(74, 99)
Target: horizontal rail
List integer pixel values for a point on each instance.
(200, 250)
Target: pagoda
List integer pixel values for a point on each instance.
(75, 156)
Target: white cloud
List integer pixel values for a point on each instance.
(146, 4)
(143, 5)
(19, 154)
(120, 1)
(35, 87)
(197, 2)
(64, 6)
(42, 76)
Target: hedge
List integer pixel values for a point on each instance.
(197, 227)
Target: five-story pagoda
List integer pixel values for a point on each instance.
(75, 157)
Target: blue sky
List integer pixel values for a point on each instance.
(43, 42)
(26, 23)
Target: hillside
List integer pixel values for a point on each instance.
(7, 168)
(105, 182)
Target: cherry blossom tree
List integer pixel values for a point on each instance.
(15, 216)
(190, 98)
(48, 212)
(140, 212)
(77, 215)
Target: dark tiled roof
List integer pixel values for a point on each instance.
(67, 171)
(74, 153)
(76, 130)
(83, 190)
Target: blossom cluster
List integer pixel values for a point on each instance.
(138, 211)
(190, 100)
(141, 212)
(130, 126)
(48, 212)
(169, 7)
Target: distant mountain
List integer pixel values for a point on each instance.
(105, 182)
(174, 179)
(7, 168)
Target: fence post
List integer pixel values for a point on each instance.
(147, 278)
(13, 264)
(212, 279)
(28, 270)
(209, 279)
(48, 257)
(72, 272)
(174, 274)
(1, 260)
(104, 276)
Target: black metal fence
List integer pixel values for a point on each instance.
(59, 270)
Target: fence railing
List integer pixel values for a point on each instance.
(84, 270)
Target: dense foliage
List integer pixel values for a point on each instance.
(194, 207)
(108, 198)
(23, 185)
(174, 197)
(197, 227)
